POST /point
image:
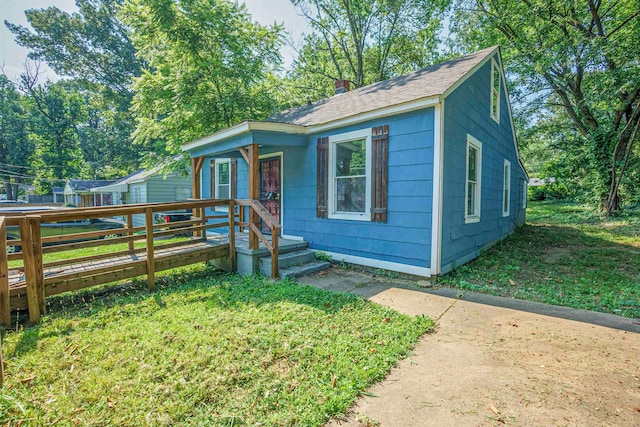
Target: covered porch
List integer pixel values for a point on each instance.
(243, 146)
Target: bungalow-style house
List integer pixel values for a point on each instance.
(78, 193)
(147, 186)
(415, 174)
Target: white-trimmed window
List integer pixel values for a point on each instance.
(350, 175)
(473, 180)
(222, 179)
(525, 194)
(495, 92)
(506, 188)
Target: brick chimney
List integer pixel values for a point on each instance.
(342, 86)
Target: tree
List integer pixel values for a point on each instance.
(91, 45)
(575, 55)
(93, 48)
(55, 112)
(366, 41)
(15, 147)
(207, 68)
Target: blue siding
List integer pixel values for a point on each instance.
(406, 237)
(466, 111)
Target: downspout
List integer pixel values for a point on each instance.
(438, 173)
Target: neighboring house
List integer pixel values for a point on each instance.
(78, 193)
(148, 186)
(415, 174)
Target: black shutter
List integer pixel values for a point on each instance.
(322, 177)
(379, 175)
(233, 177)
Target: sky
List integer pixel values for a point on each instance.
(12, 56)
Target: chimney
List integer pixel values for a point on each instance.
(342, 86)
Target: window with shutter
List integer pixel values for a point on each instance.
(352, 175)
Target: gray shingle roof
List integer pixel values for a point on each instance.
(86, 185)
(425, 83)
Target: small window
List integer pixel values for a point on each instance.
(495, 91)
(222, 179)
(350, 175)
(474, 175)
(506, 188)
(525, 194)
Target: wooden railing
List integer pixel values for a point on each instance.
(32, 247)
(29, 260)
(269, 221)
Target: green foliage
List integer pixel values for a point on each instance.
(93, 48)
(365, 41)
(572, 64)
(15, 147)
(567, 254)
(208, 68)
(322, 256)
(91, 45)
(54, 114)
(204, 349)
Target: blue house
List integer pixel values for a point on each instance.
(417, 174)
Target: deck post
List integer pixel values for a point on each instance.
(148, 214)
(36, 238)
(5, 307)
(33, 302)
(254, 193)
(130, 233)
(275, 268)
(232, 234)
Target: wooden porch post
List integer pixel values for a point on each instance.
(196, 169)
(254, 193)
(196, 191)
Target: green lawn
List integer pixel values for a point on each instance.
(565, 255)
(205, 349)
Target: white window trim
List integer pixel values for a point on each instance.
(494, 69)
(216, 180)
(345, 137)
(507, 165)
(525, 194)
(471, 141)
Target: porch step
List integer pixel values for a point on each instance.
(304, 269)
(294, 264)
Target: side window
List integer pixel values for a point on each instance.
(525, 194)
(495, 91)
(222, 179)
(506, 188)
(473, 180)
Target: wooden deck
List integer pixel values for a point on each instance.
(27, 278)
(65, 278)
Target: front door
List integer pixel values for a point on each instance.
(270, 188)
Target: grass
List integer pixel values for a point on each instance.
(206, 348)
(566, 255)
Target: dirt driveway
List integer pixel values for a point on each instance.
(490, 365)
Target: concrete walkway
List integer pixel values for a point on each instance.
(491, 365)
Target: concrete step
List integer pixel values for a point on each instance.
(288, 259)
(304, 269)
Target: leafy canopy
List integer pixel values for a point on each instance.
(208, 65)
